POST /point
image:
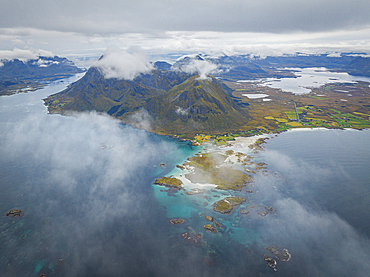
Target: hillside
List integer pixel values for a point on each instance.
(196, 106)
(114, 96)
(359, 66)
(177, 102)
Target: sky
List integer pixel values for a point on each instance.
(261, 27)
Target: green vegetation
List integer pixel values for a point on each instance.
(209, 218)
(170, 182)
(194, 106)
(207, 110)
(176, 221)
(210, 228)
(14, 213)
(208, 169)
(225, 206)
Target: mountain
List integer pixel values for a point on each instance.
(177, 102)
(41, 68)
(240, 67)
(196, 106)
(359, 66)
(114, 96)
(162, 65)
(17, 75)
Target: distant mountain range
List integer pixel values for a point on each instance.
(359, 66)
(17, 75)
(249, 67)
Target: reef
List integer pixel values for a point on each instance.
(258, 145)
(225, 206)
(177, 221)
(191, 236)
(244, 211)
(274, 250)
(170, 182)
(14, 213)
(267, 211)
(195, 191)
(283, 256)
(181, 167)
(210, 228)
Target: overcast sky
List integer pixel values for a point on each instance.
(73, 27)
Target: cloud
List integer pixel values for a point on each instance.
(88, 179)
(325, 243)
(141, 120)
(320, 241)
(144, 15)
(95, 142)
(181, 111)
(23, 54)
(202, 67)
(121, 64)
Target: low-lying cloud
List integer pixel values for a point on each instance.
(121, 64)
(23, 55)
(202, 67)
(322, 243)
(88, 174)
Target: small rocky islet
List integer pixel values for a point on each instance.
(210, 228)
(177, 221)
(170, 182)
(14, 213)
(225, 206)
(284, 256)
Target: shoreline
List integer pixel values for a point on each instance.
(240, 144)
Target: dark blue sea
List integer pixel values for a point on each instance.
(85, 185)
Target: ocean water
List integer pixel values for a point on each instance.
(85, 185)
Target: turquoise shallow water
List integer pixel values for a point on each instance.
(84, 184)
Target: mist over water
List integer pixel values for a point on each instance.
(84, 183)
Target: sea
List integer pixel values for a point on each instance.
(84, 183)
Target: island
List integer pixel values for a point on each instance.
(170, 182)
(210, 228)
(209, 218)
(270, 262)
(177, 221)
(14, 213)
(225, 206)
(207, 169)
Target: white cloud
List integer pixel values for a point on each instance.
(141, 119)
(23, 54)
(121, 64)
(45, 63)
(202, 67)
(181, 111)
(95, 142)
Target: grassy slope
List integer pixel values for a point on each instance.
(194, 106)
